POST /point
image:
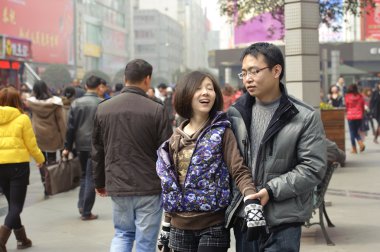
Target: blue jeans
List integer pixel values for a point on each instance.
(87, 189)
(287, 240)
(242, 245)
(354, 126)
(136, 218)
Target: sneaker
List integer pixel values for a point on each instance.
(90, 217)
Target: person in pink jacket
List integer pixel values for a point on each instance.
(355, 113)
(17, 144)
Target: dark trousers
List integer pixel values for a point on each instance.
(354, 126)
(87, 188)
(14, 179)
(286, 239)
(242, 245)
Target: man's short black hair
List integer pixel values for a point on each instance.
(271, 53)
(162, 85)
(136, 70)
(118, 87)
(69, 92)
(93, 82)
(103, 81)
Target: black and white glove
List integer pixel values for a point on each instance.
(163, 239)
(254, 217)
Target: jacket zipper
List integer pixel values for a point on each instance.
(245, 143)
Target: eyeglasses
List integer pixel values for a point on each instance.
(251, 72)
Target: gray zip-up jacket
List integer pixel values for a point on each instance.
(291, 159)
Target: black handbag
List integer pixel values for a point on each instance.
(62, 176)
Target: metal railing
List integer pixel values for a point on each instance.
(30, 76)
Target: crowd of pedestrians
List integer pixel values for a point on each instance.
(247, 161)
(362, 106)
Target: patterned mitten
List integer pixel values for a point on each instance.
(163, 239)
(255, 219)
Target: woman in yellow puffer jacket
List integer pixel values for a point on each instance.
(17, 144)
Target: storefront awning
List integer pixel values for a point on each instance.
(348, 70)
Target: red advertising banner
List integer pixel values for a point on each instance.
(372, 22)
(48, 24)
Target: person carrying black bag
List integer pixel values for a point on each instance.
(79, 130)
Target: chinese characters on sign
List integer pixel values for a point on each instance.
(51, 32)
(8, 16)
(39, 38)
(16, 48)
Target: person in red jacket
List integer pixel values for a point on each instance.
(355, 112)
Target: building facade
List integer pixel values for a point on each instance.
(103, 35)
(192, 18)
(158, 39)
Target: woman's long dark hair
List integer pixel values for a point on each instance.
(41, 90)
(353, 89)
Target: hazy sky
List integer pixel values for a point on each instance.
(213, 13)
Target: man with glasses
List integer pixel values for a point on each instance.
(282, 140)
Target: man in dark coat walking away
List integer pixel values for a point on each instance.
(128, 129)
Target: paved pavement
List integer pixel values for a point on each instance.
(54, 224)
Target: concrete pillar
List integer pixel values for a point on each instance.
(335, 61)
(227, 74)
(326, 83)
(302, 50)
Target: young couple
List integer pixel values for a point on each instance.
(252, 169)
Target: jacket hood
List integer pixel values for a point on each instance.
(218, 119)
(44, 108)
(8, 114)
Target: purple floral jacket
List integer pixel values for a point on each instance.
(207, 184)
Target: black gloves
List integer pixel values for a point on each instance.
(255, 219)
(163, 239)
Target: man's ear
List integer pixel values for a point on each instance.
(98, 90)
(277, 70)
(147, 81)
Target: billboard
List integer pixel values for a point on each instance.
(48, 24)
(261, 28)
(114, 40)
(266, 28)
(372, 22)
